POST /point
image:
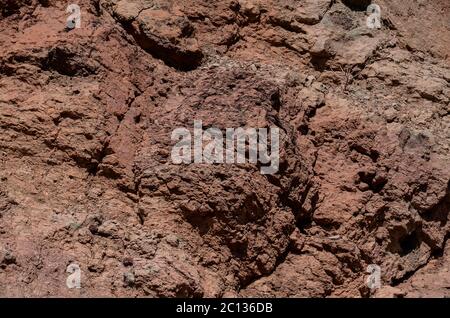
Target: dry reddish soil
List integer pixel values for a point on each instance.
(86, 177)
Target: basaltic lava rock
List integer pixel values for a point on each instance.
(86, 122)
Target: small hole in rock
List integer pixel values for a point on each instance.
(409, 243)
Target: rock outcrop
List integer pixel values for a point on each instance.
(86, 117)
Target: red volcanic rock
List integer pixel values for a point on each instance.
(86, 176)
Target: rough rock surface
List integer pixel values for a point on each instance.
(86, 117)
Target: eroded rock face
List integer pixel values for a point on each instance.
(86, 175)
